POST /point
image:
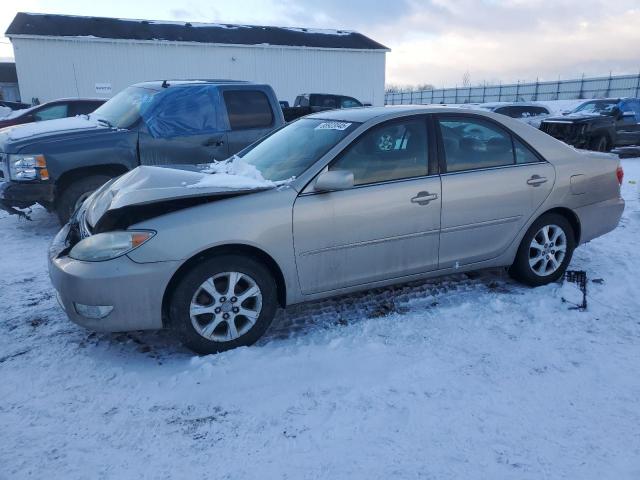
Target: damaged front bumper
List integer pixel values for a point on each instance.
(14, 196)
(130, 293)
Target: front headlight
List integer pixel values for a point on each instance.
(109, 245)
(28, 167)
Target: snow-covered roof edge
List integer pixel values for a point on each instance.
(49, 25)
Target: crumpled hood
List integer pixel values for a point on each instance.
(152, 185)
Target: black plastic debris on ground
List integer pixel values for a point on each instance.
(579, 277)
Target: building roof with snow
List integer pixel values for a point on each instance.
(48, 25)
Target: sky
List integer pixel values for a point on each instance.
(432, 41)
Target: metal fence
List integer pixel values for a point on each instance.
(594, 87)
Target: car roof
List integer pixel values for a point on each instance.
(156, 84)
(364, 114)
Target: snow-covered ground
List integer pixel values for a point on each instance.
(470, 377)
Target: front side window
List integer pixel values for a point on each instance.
(51, 113)
(391, 151)
(471, 143)
(248, 109)
(182, 111)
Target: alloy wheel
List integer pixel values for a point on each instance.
(547, 250)
(225, 306)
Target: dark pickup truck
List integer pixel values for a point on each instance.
(58, 163)
(308, 103)
(598, 124)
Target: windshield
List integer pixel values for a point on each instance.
(292, 149)
(599, 107)
(123, 110)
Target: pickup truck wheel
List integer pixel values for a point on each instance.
(77, 192)
(545, 251)
(599, 144)
(225, 302)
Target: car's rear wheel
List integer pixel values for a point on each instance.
(225, 302)
(600, 143)
(545, 251)
(77, 192)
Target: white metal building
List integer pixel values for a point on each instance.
(68, 56)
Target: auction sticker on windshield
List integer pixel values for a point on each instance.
(333, 126)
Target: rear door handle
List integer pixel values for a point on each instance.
(536, 180)
(423, 198)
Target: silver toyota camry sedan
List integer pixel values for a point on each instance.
(335, 202)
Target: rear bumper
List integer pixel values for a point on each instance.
(599, 218)
(134, 290)
(23, 195)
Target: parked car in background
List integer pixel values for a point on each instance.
(317, 102)
(598, 125)
(59, 163)
(531, 113)
(63, 108)
(284, 104)
(332, 203)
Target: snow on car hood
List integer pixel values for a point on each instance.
(149, 185)
(80, 122)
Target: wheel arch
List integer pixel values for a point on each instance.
(67, 178)
(571, 217)
(235, 249)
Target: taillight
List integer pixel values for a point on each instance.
(620, 174)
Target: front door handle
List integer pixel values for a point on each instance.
(536, 180)
(214, 142)
(423, 198)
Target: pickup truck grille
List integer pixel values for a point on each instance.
(567, 132)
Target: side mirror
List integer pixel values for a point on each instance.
(334, 180)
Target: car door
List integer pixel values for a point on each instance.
(628, 124)
(250, 117)
(386, 226)
(182, 127)
(492, 183)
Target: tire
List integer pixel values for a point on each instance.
(526, 270)
(210, 332)
(599, 144)
(74, 193)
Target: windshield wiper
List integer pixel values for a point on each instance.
(106, 122)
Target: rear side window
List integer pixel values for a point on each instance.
(51, 113)
(392, 151)
(248, 109)
(471, 143)
(348, 102)
(524, 153)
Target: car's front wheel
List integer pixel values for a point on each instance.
(224, 302)
(72, 197)
(545, 251)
